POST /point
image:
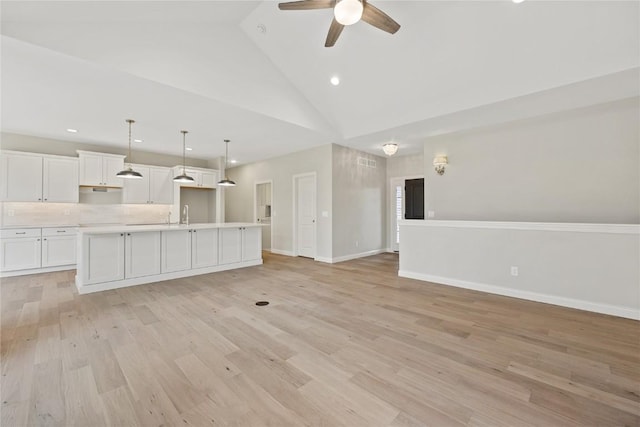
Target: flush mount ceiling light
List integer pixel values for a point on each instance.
(390, 148)
(184, 177)
(226, 182)
(348, 12)
(335, 80)
(128, 172)
(517, 1)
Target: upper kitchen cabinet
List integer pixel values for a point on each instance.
(156, 186)
(100, 169)
(31, 177)
(203, 178)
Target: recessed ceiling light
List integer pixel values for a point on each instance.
(72, 130)
(335, 80)
(233, 161)
(137, 140)
(517, 1)
(189, 149)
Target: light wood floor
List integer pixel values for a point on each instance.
(349, 344)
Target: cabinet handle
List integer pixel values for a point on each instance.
(22, 232)
(39, 199)
(61, 231)
(46, 200)
(128, 234)
(122, 234)
(38, 240)
(44, 240)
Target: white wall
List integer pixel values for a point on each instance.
(577, 166)
(591, 267)
(410, 165)
(239, 199)
(359, 201)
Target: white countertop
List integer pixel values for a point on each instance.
(162, 227)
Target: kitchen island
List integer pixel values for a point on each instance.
(117, 256)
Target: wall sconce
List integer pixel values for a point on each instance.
(390, 148)
(440, 162)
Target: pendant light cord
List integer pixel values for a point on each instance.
(184, 151)
(130, 121)
(226, 154)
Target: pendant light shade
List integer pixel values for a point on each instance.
(184, 178)
(128, 171)
(226, 182)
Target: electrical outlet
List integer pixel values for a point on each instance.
(431, 214)
(514, 270)
(11, 212)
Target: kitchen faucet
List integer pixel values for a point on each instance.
(185, 215)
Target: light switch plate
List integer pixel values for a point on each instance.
(325, 214)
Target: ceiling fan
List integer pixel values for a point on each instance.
(346, 12)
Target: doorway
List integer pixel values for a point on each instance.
(304, 214)
(262, 206)
(398, 206)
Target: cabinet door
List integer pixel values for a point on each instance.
(22, 178)
(136, 190)
(251, 243)
(176, 251)
(110, 167)
(230, 245)
(103, 258)
(90, 169)
(20, 253)
(160, 186)
(204, 248)
(58, 250)
(60, 180)
(142, 254)
(208, 179)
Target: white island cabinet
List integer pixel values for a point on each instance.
(119, 256)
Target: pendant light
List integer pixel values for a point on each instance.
(226, 182)
(128, 172)
(184, 177)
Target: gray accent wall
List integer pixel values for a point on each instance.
(359, 201)
(579, 166)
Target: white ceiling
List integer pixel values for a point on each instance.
(204, 66)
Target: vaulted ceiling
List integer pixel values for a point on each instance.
(246, 71)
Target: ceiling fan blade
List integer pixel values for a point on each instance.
(374, 16)
(334, 33)
(307, 5)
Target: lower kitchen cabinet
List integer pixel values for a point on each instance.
(204, 248)
(58, 247)
(238, 244)
(142, 252)
(20, 253)
(103, 257)
(176, 251)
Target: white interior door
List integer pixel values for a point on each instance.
(306, 216)
(262, 204)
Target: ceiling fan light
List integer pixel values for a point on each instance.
(348, 12)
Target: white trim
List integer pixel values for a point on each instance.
(535, 226)
(49, 156)
(87, 289)
(282, 252)
(351, 256)
(392, 211)
(97, 153)
(255, 207)
(37, 270)
(294, 179)
(613, 310)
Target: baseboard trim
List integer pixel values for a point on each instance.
(612, 310)
(105, 286)
(36, 271)
(281, 252)
(350, 257)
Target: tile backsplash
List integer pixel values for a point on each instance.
(35, 214)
